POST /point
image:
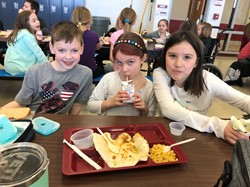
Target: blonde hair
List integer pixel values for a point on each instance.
(206, 30)
(81, 16)
(127, 18)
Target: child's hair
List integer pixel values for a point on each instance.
(194, 84)
(247, 30)
(165, 21)
(34, 5)
(206, 30)
(22, 22)
(81, 16)
(127, 18)
(67, 31)
(189, 25)
(130, 44)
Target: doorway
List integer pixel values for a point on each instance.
(196, 9)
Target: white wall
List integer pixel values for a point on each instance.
(112, 9)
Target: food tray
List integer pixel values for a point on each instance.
(72, 164)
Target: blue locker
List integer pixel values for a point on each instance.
(9, 11)
(44, 11)
(67, 9)
(55, 11)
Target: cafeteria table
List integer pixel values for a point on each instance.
(206, 156)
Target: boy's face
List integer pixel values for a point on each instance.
(67, 55)
(27, 6)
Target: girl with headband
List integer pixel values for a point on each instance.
(108, 98)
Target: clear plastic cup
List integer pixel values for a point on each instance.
(176, 128)
(83, 139)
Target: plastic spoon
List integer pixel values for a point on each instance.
(168, 147)
(81, 154)
(111, 146)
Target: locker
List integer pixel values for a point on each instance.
(67, 9)
(44, 12)
(55, 11)
(9, 11)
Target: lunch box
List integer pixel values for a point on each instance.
(23, 164)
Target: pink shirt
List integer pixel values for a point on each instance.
(115, 35)
(244, 52)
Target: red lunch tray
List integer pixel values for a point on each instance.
(72, 164)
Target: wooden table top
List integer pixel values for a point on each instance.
(206, 156)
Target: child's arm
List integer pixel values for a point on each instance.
(13, 104)
(75, 109)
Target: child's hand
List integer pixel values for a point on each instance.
(140, 104)
(231, 135)
(120, 97)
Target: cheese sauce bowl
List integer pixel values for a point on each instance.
(23, 164)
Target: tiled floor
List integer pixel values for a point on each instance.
(9, 89)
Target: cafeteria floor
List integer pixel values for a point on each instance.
(9, 89)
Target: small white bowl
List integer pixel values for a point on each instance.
(176, 128)
(83, 139)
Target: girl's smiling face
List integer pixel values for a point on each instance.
(128, 65)
(181, 59)
(34, 22)
(67, 55)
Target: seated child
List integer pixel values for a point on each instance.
(109, 97)
(161, 34)
(23, 50)
(63, 85)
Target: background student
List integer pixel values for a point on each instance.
(34, 6)
(62, 86)
(161, 34)
(108, 98)
(126, 19)
(189, 25)
(185, 91)
(23, 50)
(204, 32)
(81, 17)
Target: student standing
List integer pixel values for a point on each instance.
(62, 86)
(185, 91)
(23, 50)
(108, 98)
(81, 17)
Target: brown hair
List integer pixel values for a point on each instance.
(67, 31)
(247, 30)
(81, 16)
(130, 44)
(189, 25)
(127, 18)
(195, 83)
(22, 22)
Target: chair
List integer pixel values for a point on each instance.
(210, 57)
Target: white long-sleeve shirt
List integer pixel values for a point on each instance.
(178, 105)
(109, 86)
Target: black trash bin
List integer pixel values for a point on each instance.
(100, 25)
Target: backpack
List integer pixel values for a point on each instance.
(237, 172)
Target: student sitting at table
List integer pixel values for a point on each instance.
(34, 6)
(161, 34)
(185, 91)
(81, 17)
(23, 50)
(109, 97)
(62, 86)
(126, 19)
